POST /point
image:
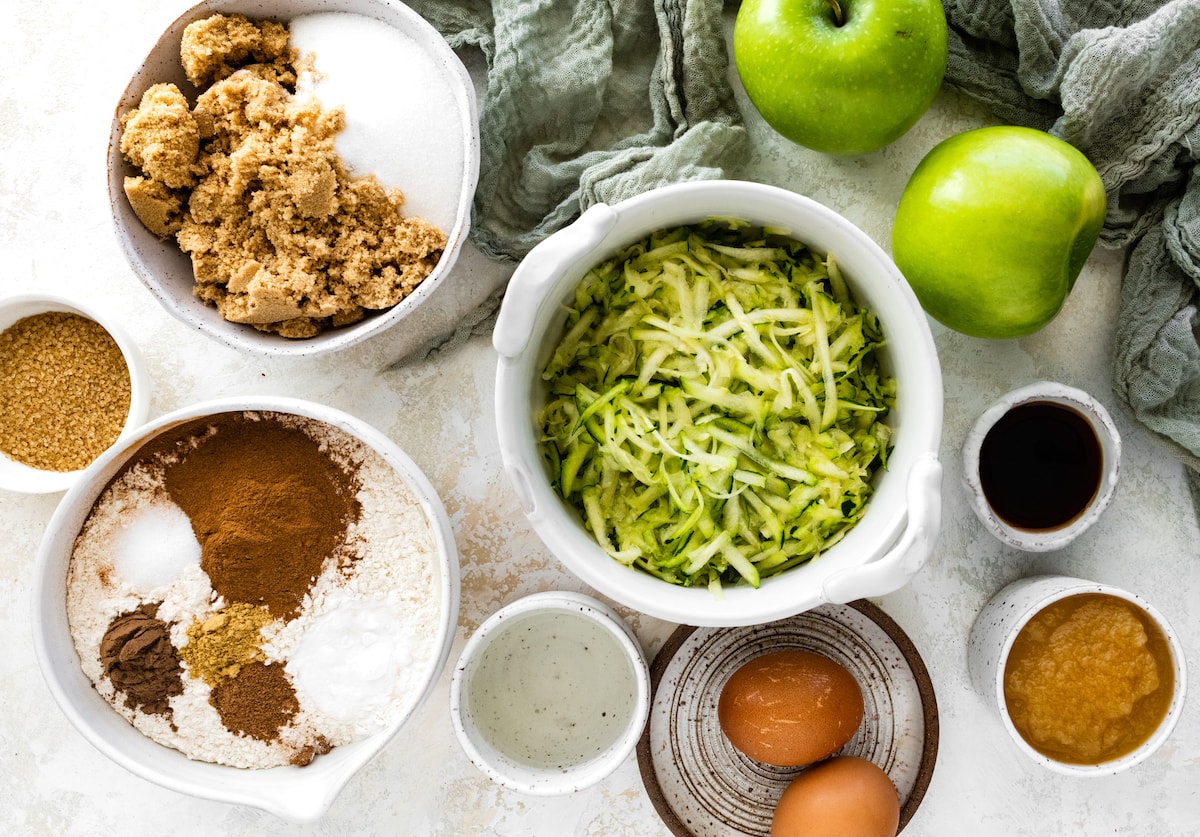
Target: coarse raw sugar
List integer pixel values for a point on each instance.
(65, 391)
(388, 561)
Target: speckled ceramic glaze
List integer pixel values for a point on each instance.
(1110, 449)
(703, 787)
(995, 630)
(17, 476)
(511, 770)
(167, 272)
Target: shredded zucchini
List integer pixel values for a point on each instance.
(716, 410)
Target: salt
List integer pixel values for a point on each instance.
(154, 546)
(403, 123)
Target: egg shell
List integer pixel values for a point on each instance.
(790, 707)
(846, 796)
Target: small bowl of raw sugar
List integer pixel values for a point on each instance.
(329, 214)
(550, 694)
(246, 600)
(72, 382)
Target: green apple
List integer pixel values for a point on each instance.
(841, 76)
(994, 226)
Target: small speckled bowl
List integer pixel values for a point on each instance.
(702, 786)
(481, 742)
(17, 476)
(1044, 540)
(995, 630)
(167, 272)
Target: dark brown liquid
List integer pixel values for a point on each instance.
(1040, 466)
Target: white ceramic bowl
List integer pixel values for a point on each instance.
(167, 272)
(17, 476)
(1044, 540)
(896, 534)
(295, 793)
(995, 630)
(482, 745)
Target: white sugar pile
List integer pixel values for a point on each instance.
(403, 121)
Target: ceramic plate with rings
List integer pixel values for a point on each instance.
(702, 787)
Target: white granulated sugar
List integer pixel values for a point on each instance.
(403, 122)
(154, 545)
(358, 653)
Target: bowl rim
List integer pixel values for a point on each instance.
(1102, 424)
(173, 294)
(299, 794)
(532, 302)
(1039, 592)
(509, 773)
(19, 477)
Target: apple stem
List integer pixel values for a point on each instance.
(839, 17)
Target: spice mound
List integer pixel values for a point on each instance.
(254, 589)
(281, 235)
(64, 391)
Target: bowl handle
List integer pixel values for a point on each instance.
(897, 567)
(542, 265)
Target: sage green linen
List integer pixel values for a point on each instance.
(590, 101)
(1120, 80)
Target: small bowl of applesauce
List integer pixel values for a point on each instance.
(1088, 679)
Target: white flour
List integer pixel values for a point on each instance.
(357, 654)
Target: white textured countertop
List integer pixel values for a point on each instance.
(62, 73)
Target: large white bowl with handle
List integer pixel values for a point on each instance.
(896, 534)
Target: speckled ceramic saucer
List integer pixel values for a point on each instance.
(702, 787)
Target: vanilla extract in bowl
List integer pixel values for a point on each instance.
(1041, 465)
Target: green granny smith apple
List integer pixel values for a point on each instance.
(841, 76)
(994, 226)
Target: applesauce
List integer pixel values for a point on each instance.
(1089, 679)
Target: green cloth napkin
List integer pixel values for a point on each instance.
(589, 101)
(1120, 80)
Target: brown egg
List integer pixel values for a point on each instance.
(791, 707)
(843, 797)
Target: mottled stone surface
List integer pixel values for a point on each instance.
(62, 75)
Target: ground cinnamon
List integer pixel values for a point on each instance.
(267, 505)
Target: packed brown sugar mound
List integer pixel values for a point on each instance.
(248, 182)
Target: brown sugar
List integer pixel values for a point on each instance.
(248, 181)
(64, 391)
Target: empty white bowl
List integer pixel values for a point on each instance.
(550, 694)
(17, 476)
(167, 272)
(295, 793)
(995, 631)
(892, 540)
(1075, 401)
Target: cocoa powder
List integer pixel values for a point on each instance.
(137, 655)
